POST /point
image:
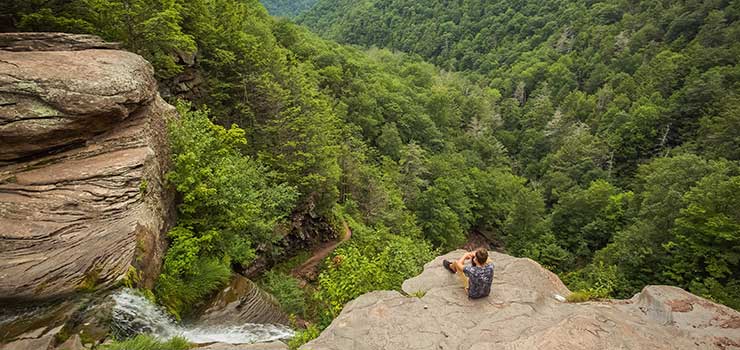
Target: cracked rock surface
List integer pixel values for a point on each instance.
(522, 313)
(83, 153)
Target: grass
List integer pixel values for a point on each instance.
(147, 342)
(580, 296)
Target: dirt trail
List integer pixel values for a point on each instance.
(307, 270)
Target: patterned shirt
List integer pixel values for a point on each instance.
(479, 280)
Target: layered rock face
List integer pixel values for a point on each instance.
(242, 301)
(523, 312)
(83, 153)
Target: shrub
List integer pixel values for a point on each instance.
(180, 292)
(374, 260)
(597, 280)
(304, 336)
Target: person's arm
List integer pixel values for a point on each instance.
(467, 256)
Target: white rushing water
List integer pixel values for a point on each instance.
(135, 314)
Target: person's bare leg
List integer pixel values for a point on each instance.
(455, 265)
(460, 274)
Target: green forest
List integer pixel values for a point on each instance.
(287, 8)
(599, 138)
(622, 115)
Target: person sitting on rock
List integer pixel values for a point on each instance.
(476, 278)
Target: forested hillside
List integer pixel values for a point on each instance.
(599, 138)
(290, 124)
(623, 114)
(287, 8)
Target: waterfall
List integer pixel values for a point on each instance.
(134, 314)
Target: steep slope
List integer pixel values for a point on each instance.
(287, 8)
(622, 114)
(602, 63)
(464, 35)
(83, 153)
(523, 313)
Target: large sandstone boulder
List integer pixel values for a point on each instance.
(523, 312)
(83, 153)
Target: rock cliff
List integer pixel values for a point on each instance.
(83, 153)
(522, 313)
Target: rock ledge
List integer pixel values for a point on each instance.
(522, 313)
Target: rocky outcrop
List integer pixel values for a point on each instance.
(53, 42)
(523, 312)
(63, 94)
(33, 340)
(83, 153)
(242, 301)
(60, 324)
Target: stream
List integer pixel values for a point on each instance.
(135, 314)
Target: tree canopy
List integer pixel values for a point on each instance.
(599, 138)
(617, 112)
(287, 8)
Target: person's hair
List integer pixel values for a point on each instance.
(481, 256)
